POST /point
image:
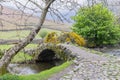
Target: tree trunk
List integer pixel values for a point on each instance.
(10, 53)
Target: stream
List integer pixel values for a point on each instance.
(114, 51)
(26, 69)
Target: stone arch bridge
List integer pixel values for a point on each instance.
(48, 51)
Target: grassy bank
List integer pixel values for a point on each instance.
(40, 76)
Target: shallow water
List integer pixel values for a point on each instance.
(113, 51)
(26, 69)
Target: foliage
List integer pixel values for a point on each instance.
(9, 77)
(69, 37)
(52, 37)
(97, 25)
(21, 57)
(43, 33)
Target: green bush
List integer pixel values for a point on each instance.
(43, 33)
(9, 77)
(97, 25)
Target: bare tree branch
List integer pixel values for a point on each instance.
(37, 5)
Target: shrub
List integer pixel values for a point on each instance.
(51, 37)
(97, 25)
(69, 37)
(43, 33)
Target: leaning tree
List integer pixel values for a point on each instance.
(9, 54)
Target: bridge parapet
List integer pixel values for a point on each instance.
(49, 51)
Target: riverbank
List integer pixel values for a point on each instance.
(113, 50)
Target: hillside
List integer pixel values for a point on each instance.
(14, 19)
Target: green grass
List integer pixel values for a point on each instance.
(44, 75)
(4, 47)
(21, 57)
(31, 46)
(14, 34)
(49, 30)
(21, 34)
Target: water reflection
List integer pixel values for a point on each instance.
(26, 69)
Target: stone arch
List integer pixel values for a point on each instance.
(56, 51)
(46, 55)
